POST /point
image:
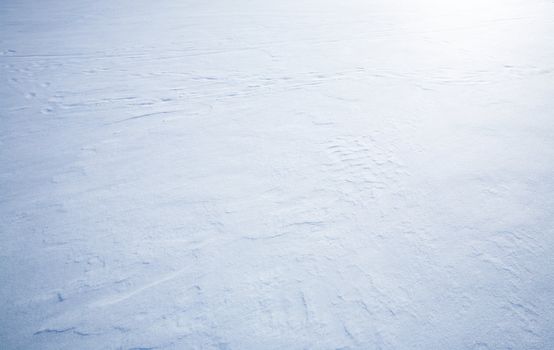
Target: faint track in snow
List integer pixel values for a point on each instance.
(118, 298)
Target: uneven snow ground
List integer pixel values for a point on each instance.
(292, 174)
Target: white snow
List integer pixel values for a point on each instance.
(292, 174)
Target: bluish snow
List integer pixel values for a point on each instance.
(292, 174)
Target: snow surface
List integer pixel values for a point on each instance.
(292, 174)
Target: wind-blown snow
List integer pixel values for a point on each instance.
(293, 174)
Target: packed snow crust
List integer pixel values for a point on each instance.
(292, 174)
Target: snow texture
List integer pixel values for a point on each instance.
(292, 174)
